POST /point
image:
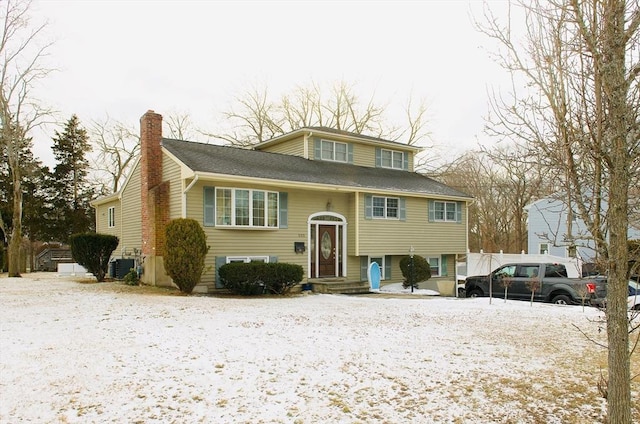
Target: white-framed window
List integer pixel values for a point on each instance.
(445, 211)
(246, 208)
(334, 151)
(247, 259)
(111, 217)
(434, 264)
(380, 260)
(392, 159)
(543, 248)
(385, 207)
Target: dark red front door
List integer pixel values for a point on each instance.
(327, 253)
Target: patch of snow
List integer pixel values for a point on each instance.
(94, 353)
(397, 288)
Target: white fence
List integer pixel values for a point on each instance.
(72, 270)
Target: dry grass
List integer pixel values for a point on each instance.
(556, 383)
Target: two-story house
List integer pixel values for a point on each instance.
(330, 201)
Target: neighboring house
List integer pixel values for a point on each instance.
(548, 230)
(328, 200)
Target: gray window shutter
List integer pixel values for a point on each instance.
(273, 259)
(284, 210)
(350, 153)
(402, 206)
(368, 206)
(378, 157)
(209, 207)
(220, 260)
(387, 267)
(432, 211)
(405, 161)
(364, 266)
(443, 265)
(317, 149)
(459, 212)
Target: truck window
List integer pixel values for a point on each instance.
(505, 271)
(528, 271)
(555, 270)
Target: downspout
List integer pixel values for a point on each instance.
(184, 196)
(306, 145)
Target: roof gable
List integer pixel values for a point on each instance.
(340, 135)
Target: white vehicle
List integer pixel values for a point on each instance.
(634, 295)
(633, 301)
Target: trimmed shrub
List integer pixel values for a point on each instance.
(93, 251)
(421, 270)
(131, 278)
(283, 277)
(241, 278)
(185, 251)
(248, 279)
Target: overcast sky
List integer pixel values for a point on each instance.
(121, 58)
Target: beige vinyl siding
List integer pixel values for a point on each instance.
(433, 237)
(171, 174)
(131, 214)
(364, 155)
(225, 241)
(102, 214)
(294, 147)
(353, 268)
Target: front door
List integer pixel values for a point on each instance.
(327, 257)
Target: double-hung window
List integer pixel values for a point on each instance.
(111, 217)
(246, 208)
(385, 207)
(392, 159)
(434, 265)
(333, 151)
(445, 211)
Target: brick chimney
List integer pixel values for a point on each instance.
(154, 194)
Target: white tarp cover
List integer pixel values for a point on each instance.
(484, 263)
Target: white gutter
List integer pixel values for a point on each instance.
(184, 195)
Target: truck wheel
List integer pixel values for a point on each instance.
(475, 293)
(561, 299)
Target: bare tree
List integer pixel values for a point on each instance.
(574, 105)
(180, 126)
(20, 68)
(116, 146)
(256, 118)
(253, 120)
(502, 182)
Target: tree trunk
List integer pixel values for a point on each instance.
(16, 233)
(615, 90)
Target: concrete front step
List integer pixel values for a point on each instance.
(339, 286)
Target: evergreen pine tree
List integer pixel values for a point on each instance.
(33, 176)
(71, 190)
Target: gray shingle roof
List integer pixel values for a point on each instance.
(210, 158)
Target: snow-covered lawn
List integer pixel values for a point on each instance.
(74, 352)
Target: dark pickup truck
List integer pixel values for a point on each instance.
(550, 282)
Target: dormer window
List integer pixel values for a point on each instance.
(333, 151)
(392, 159)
